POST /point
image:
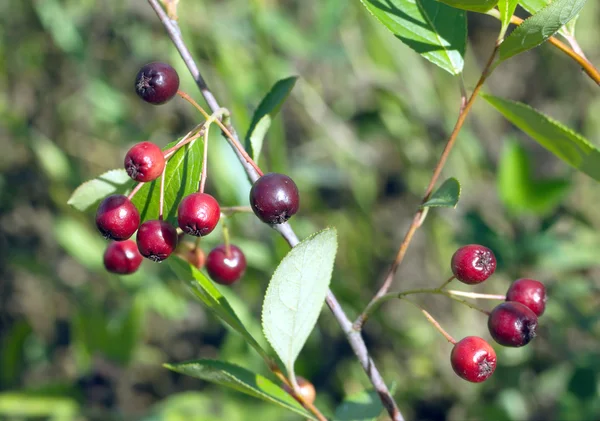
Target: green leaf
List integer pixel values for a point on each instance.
(296, 294)
(363, 406)
(539, 27)
(240, 379)
(92, 191)
(507, 9)
(15, 405)
(534, 6)
(480, 6)
(264, 114)
(212, 298)
(446, 196)
(432, 29)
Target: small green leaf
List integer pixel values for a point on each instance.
(480, 6)
(363, 406)
(240, 379)
(534, 6)
(446, 196)
(539, 27)
(92, 191)
(432, 29)
(507, 9)
(264, 114)
(296, 294)
(563, 142)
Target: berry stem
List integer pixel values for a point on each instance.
(204, 173)
(446, 283)
(135, 190)
(161, 203)
(230, 210)
(476, 295)
(434, 322)
(226, 240)
(197, 132)
(292, 389)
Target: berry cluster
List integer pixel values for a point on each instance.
(274, 199)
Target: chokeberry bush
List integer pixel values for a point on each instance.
(361, 210)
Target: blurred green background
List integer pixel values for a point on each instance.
(360, 135)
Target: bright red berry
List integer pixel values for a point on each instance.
(157, 83)
(122, 257)
(473, 264)
(226, 266)
(156, 240)
(512, 324)
(274, 198)
(144, 162)
(530, 293)
(117, 218)
(473, 359)
(198, 214)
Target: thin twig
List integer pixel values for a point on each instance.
(476, 295)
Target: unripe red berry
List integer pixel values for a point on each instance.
(157, 83)
(473, 264)
(512, 324)
(223, 267)
(144, 162)
(122, 257)
(198, 214)
(192, 254)
(530, 293)
(117, 218)
(305, 389)
(473, 359)
(274, 198)
(156, 240)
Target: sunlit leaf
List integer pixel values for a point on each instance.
(446, 196)
(481, 6)
(507, 9)
(92, 191)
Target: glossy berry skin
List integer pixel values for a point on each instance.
(305, 388)
(144, 162)
(473, 359)
(156, 240)
(530, 293)
(512, 324)
(198, 214)
(223, 268)
(157, 83)
(117, 218)
(473, 264)
(122, 257)
(274, 198)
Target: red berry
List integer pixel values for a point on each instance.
(156, 240)
(473, 359)
(274, 198)
(225, 268)
(473, 264)
(122, 257)
(530, 293)
(144, 162)
(512, 324)
(305, 388)
(198, 214)
(157, 83)
(117, 218)
(192, 254)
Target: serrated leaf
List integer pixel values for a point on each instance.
(432, 29)
(563, 142)
(446, 196)
(534, 6)
(363, 406)
(92, 191)
(264, 114)
(507, 9)
(240, 379)
(296, 293)
(480, 6)
(539, 27)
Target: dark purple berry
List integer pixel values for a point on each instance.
(226, 266)
(530, 293)
(157, 83)
(144, 162)
(512, 324)
(473, 359)
(198, 214)
(122, 257)
(156, 240)
(117, 218)
(473, 264)
(274, 198)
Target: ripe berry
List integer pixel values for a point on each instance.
(156, 240)
(117, 218)
(225, 268)
(144, 162)
(198, 214)
(122, 257)
(305, 388)
(274, 198)
(530, 293)
(157, 83)
(512, 324)
(473, 264)
(473, 359)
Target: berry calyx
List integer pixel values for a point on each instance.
(305, 389)
(198, 214)
(144, 162)
(157, 83)
(274, 198)
(530, 293)
(122, 257)
(156, 240)
(473, 264)
(473, 359)
(117, 218)
(512, 324)
(225, 268)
